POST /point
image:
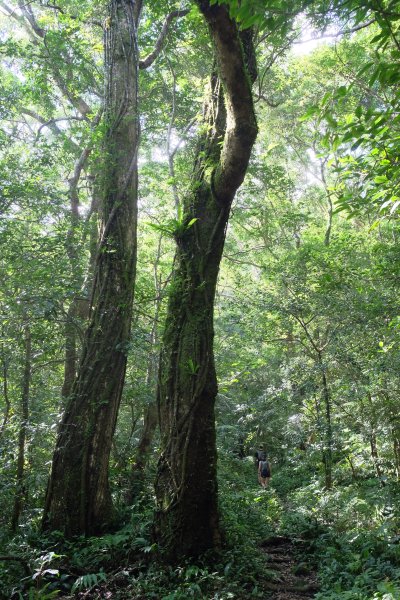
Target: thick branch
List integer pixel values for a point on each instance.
(148, 61)
(241, 128)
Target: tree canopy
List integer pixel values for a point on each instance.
(200, 256)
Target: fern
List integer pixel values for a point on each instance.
(88, 581)
(42, 594)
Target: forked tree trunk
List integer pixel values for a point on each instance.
(78, 499)
(187, 520)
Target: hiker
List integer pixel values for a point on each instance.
(264, 473)
(260, 455)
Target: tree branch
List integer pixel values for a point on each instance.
(20, 19)
(148, 61)
(338, 33)
(77, 101)
(241, 130)
(51, 124)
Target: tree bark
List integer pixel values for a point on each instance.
(7, 407)
(187, 520)
(78, 499)
(328, 441)
(20, 490)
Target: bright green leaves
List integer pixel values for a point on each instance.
(275, 16)
(362, 137)
(175, 228)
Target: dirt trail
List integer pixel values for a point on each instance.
(293, 577)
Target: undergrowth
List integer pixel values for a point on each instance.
(351, 535)
(125, 563)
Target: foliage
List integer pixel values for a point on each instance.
(311, 262)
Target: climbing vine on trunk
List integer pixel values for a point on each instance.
(78, 499)
(187, 521)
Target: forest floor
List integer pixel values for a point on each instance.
(291, 577)
(288, 575)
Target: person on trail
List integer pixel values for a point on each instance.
(264, 473)
(260, 455)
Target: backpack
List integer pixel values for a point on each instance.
(265, 470)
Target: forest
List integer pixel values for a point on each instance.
(199, 260)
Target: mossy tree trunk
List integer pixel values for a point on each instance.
(187, 521)
(78, 499)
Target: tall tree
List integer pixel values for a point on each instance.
(187, 521)
(78, 499)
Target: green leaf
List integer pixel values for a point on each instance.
(311, 112)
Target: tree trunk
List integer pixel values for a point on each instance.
(396, 451)
(353, 469)
(20, 490)
(150, 421)
(7, 402)
(77, 313)
(375, 456)
(78, 499)
(328, 437)
(137, 474)
(71, 353)
(187, 520)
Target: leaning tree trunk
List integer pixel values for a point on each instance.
(78, 499)
(187, 521)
